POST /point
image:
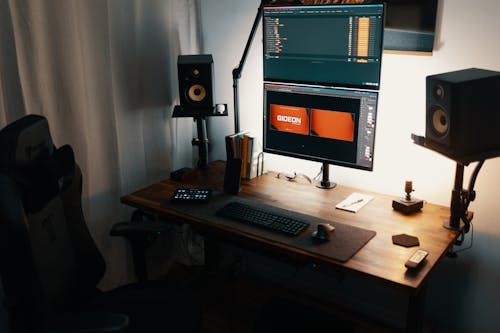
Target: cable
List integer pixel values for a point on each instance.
(472, 182)
(288, 176)
(471, 240)
(319, 173)
(293, 176)
(470, 195)
(473, 178)
(186, 238)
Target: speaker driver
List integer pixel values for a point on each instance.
(197, 93)
(438, 92)
(440, 121)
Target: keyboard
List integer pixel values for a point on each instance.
(261, 217)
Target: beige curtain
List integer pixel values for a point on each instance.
(104, 74)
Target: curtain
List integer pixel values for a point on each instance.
(104, 74)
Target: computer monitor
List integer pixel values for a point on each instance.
(324, 124)
(338, 45)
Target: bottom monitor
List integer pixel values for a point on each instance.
(328, 125)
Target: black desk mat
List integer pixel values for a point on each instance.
(343, 244)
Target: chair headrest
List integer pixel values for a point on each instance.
(29, 156)
(25, 140)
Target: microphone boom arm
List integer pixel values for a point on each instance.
(237, 71)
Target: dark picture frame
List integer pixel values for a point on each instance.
(410, 24)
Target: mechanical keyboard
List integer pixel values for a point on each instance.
(261, 217)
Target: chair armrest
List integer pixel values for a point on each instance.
(140, 235)
(88, 322)
(139, 228)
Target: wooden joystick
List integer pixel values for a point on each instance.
(408, 205)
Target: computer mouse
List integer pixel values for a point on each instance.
(324, 231)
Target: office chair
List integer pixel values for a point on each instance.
(49, 263)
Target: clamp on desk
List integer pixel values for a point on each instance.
(460, 197)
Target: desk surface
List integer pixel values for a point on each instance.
(379, 259)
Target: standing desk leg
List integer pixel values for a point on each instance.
(212, 254)
(416, 309)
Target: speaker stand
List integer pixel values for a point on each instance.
(457, 208)
(460, 197)
(219, 110)
(201, 142)
(199, 116)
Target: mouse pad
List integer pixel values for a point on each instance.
(343, 244)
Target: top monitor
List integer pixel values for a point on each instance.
(338, 45)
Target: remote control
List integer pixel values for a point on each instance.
(191, 195)
(416, 258)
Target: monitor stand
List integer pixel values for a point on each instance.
(325, 182)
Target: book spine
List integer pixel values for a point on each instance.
(244, 156)
(249, 157)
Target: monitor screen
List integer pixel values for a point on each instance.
(338, 45)
(329, 125)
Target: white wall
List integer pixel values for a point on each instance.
(468, 35)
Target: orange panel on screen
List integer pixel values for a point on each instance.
(291, 119)
(333, 124)
(363, 36)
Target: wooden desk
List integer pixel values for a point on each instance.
(379, 260)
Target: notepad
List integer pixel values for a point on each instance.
(354, 202)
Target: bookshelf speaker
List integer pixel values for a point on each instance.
(196, 81)
(463, 114)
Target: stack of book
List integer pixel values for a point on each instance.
(244, 146)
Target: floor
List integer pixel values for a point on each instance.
(244, 304)
(230, 303)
